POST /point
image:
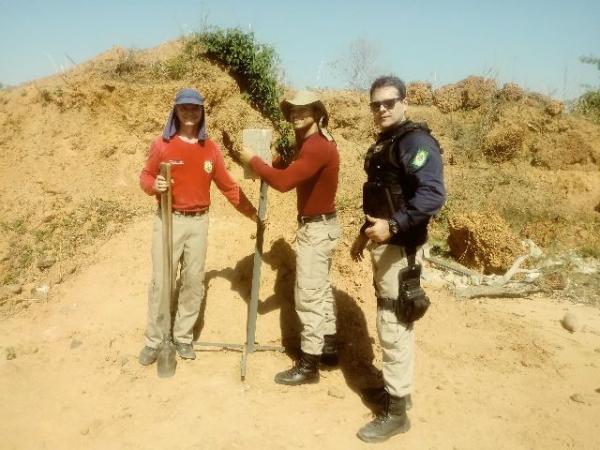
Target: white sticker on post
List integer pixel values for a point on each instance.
(257, 140)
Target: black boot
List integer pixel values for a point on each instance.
(305, 370)
(387, 424)
(377, 397)
(329, 356)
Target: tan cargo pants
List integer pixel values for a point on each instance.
(315, 305)
(396, 338)
(189, 249)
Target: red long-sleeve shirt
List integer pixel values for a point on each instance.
(314, 174)
(193, 168)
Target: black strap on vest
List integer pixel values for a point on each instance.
(411, 254)
(411, 250)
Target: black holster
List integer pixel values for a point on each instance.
(412, 301)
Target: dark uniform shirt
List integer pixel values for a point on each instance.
(416, 159)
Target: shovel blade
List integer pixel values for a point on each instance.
(166, 361)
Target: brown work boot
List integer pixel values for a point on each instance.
(185, 351)
(147, 356)
(329, 356)
(393, 420)
(305, 370)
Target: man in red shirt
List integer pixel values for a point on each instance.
(196, 162)
(314, 174)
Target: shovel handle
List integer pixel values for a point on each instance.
(166, 208)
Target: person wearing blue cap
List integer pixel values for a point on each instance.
(196, 161)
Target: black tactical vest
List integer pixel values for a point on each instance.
(388, 188)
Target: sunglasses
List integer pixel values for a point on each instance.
(387, 104)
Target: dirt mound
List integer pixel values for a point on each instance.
(72, 147)
(564, 149)
(483, 241)
(349, 115)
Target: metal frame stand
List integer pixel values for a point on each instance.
(250, 346)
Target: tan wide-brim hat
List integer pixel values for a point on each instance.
(305, 98)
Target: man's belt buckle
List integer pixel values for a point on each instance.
(316, 218)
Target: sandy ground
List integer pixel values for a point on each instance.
(490, 373)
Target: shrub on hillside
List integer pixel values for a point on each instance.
(419, 93)
(477, 91)
(503, 142)
(127, 62)
(511, 92)
(589, 105)
(448, 98)
(550, 106)
(554, 108)
(470, 93)
(254, 65)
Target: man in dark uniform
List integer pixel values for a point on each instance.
(405, 188)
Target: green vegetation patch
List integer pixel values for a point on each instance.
(254, 65)
(61, 235)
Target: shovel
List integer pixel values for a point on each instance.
(166, 361)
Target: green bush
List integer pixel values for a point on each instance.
(589, 105)
(255, 66)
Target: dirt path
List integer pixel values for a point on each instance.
(490, 374)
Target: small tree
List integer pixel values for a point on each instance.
(588, 104)
(590, 60)
(358, 65)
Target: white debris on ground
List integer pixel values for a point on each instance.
(517, 281)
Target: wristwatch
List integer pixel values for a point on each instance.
(394, 227)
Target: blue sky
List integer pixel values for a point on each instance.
(534, 43)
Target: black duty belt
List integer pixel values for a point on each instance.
(317, 218)
(200, 212)
(386, 303)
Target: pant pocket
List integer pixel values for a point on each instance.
(389, 328)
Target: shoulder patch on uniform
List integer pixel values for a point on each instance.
(419, 159)
(208, 166)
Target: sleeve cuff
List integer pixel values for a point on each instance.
(255, 162)
(402, 219)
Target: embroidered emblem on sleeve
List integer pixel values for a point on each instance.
(208, 166)
(419, 159)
